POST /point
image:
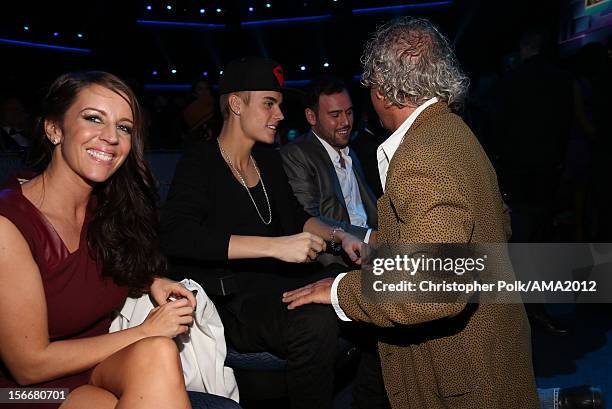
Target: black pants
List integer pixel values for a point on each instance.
(306, 337)
(368, 387)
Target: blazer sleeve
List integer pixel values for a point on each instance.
(431, 206)
(292, 213)
(301, 178)
(183, 223)
(303, 182)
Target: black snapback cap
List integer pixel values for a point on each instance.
(252, 74)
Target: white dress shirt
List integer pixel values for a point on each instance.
(387, 149)
(384, 154)
(348, 185)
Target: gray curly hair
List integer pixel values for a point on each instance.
(409, 61)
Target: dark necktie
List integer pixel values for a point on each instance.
(342, 161)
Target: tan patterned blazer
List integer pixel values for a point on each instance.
(441, 188)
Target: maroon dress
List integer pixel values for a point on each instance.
(79, 300)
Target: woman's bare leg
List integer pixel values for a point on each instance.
(90, 397)
(146, 374)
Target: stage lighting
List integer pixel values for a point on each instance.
(55, 34)
(326, 64)
(149, 8)
(268, 5)
(202, 11)
(168, 7)
(173, 71)
(79, 35)
(251, 9)
(219, 10)
(26, 28)
(154, 73)
(302, 68)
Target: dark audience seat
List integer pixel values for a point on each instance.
(201, 400)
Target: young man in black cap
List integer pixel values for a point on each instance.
(232, 223)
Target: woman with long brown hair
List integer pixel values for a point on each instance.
(75, 240)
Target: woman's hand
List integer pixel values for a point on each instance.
(299, 248)
(168, 320)
(163, 288)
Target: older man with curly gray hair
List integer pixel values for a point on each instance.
(439, 187)
(409, 62)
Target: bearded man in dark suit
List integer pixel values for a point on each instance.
(324, 172)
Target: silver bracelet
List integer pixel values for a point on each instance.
(334, 245)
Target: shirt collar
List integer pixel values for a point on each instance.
(127, 311)
(331, 151)
(390, 145)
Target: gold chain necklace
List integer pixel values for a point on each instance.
(263, 186)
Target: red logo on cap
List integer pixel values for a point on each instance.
(278, 73)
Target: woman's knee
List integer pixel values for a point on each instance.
(149, 364)
(91, 397)
(143, 359)
(159, 345)
(160, 352)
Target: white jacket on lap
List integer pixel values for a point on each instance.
(202, 349)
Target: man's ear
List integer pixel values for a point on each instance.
(53, 131)
(382, 98)
(311, 117)
(235, 104)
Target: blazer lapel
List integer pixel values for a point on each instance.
(328, 164)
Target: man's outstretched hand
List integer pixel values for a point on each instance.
(315, 293)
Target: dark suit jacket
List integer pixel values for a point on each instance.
(314, 181)
(441, 188)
